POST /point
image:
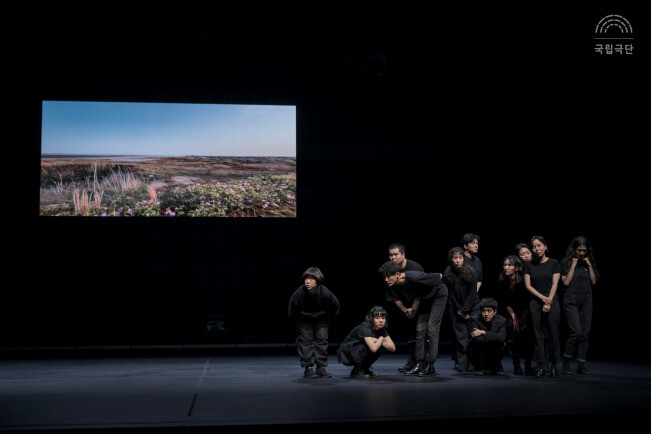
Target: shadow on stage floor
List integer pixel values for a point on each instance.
(243, 393)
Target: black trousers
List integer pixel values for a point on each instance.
(312, 342)
(577, 307)
(550, 323)
(428, 326)
(485, 355)
(520, 343)
(461, 336)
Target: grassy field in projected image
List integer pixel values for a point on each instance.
(168, 186)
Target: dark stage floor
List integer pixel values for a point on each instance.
(266, 393)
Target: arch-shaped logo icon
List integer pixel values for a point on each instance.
(614, 26)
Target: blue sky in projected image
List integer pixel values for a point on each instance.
(167, 129)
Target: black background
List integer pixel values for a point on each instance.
(496, 120)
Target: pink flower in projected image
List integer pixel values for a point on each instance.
(170, 213)
(129, 211)
(207, 203)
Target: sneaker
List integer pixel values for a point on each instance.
(322, 373)
(582, 369)
(371, 374)
(309, 373)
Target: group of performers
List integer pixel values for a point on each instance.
(525, 322)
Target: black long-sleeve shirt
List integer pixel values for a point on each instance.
(418, 284)
(303, 301)
(392, 294)
(462, 293)
(495, 330)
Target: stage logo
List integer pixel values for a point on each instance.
(613, 36)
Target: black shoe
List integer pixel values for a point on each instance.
(517, 370)
(479, 372)
(566, 366)
(359, 374)
(500, 372)
(582, 369)
(528, 370)
(428, 370)
(553, 373)
(322, 373)
(540, 373)
(407, 367)
(463, 368)
(371, 374)
(416, 369)
(309, 373)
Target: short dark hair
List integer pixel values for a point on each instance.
(376, 310)
(488, 302)
(314, 273)
(389, 268)
(400, 247)
(469, 238)
(521, 246)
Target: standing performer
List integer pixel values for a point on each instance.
(404, 302)
(470, 243)
(430, 300)
(312, 305)
(515, 298)
(579, 274)
(461, 281)
(365, 343)
(541, 277)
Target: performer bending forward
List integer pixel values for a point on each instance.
(430, 300)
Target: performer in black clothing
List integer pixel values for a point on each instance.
(403, 302)
(312, 305)
(463, 303)
(578, 274)
(430, 299)
(365, 343)
(470, 243)
(541, 277)
(488, 333)
(515, 299)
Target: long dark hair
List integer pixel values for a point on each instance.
(452, 273)
(569, 254)
(519, 270)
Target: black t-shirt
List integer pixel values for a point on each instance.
(392, 294)
(362, 331)
(475, 263)
(462, 293)
(517, 297)
(541, 274)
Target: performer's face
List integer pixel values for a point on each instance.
(581, 251)
(379, 321)
(473, 246)
(391, 280)
(457, 260)
(509, 268)
(396, 256)
(538, 248)
(525, 254)
(488, 313)
(310, 283)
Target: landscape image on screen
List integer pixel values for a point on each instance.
(128, 159)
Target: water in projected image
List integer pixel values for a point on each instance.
(122, 159)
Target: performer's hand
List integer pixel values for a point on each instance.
(546, 308)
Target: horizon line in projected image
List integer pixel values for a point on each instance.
(128, 159)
